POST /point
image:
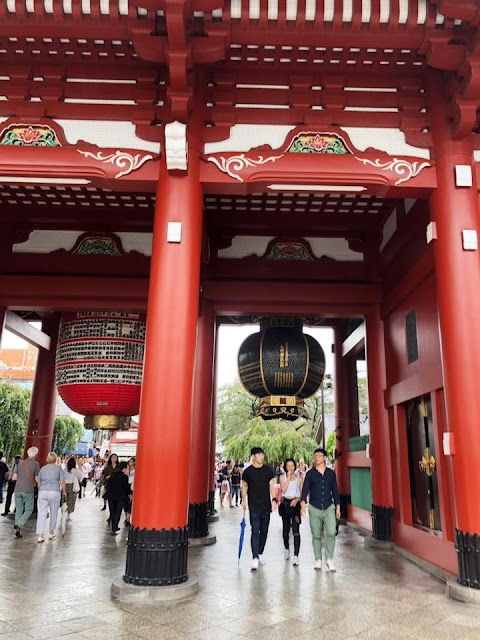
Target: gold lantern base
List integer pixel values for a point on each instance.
(107, 422)
(281, 408)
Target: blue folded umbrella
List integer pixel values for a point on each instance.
(240, 541)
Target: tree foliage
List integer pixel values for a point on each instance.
(67, 431)
(238, 430)
(236, 407)
(330, 446)
(277, 438)
(14, 407)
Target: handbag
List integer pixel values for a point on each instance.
(76, 484)
(225, 486)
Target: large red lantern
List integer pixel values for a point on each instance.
(99, 366)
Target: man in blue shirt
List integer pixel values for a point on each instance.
(320, 486)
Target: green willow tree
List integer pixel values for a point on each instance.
(236, 407)
(277, 438)
(67, 431)
(14, 407)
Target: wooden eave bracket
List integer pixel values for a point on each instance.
(466, 10)
(19, 327)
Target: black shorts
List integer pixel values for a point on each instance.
(84, 482)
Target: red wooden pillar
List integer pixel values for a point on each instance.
(213, 434)
(157, 546)
(381, 469)
(454, 209)
(44, 396)
(201, 424)
(340, 386)
(3, 313)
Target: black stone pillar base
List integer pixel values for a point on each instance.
(198, 519)
(156, 557)
(345, 500)
(382, 522)
(211, 503)
(467, 546)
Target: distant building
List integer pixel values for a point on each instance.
(18, 365)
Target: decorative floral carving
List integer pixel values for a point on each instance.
(97, 245)
(234, 164)
(121, 159)
(23, 135)
(289, 251)
(407, 170)
(311, 142)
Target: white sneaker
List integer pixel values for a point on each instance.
(261, 560)
(318, 564)
(254, 566)
(40, 539)
(331, 565)
(286, 555)
(51, 536)
(295, 561)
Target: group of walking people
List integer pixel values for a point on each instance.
(55, 485)
(58, 485)
(318, 488)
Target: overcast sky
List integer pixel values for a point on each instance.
(230, 338)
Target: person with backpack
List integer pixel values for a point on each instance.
(26, 481)
(72, 478)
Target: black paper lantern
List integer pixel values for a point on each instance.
(281, 365)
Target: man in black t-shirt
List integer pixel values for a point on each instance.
(258, 482)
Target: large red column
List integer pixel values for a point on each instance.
(342, 416)
(455, 209)
(213, 435)
(381, 471)
(201, 423)
(44, 396)
(3, 313)
(158, 539)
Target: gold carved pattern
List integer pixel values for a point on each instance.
(427, 463)
(283, 379)
(283, 355)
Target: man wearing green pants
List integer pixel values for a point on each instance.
(26, 475)
(320, 485)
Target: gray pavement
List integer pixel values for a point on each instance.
(60, 589)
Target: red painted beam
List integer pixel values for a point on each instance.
(356, 459)
(63, 293)
(234, 297)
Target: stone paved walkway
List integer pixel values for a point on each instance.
(60, 589)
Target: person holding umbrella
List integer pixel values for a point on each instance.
(258, 481)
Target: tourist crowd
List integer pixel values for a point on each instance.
(54, 488)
